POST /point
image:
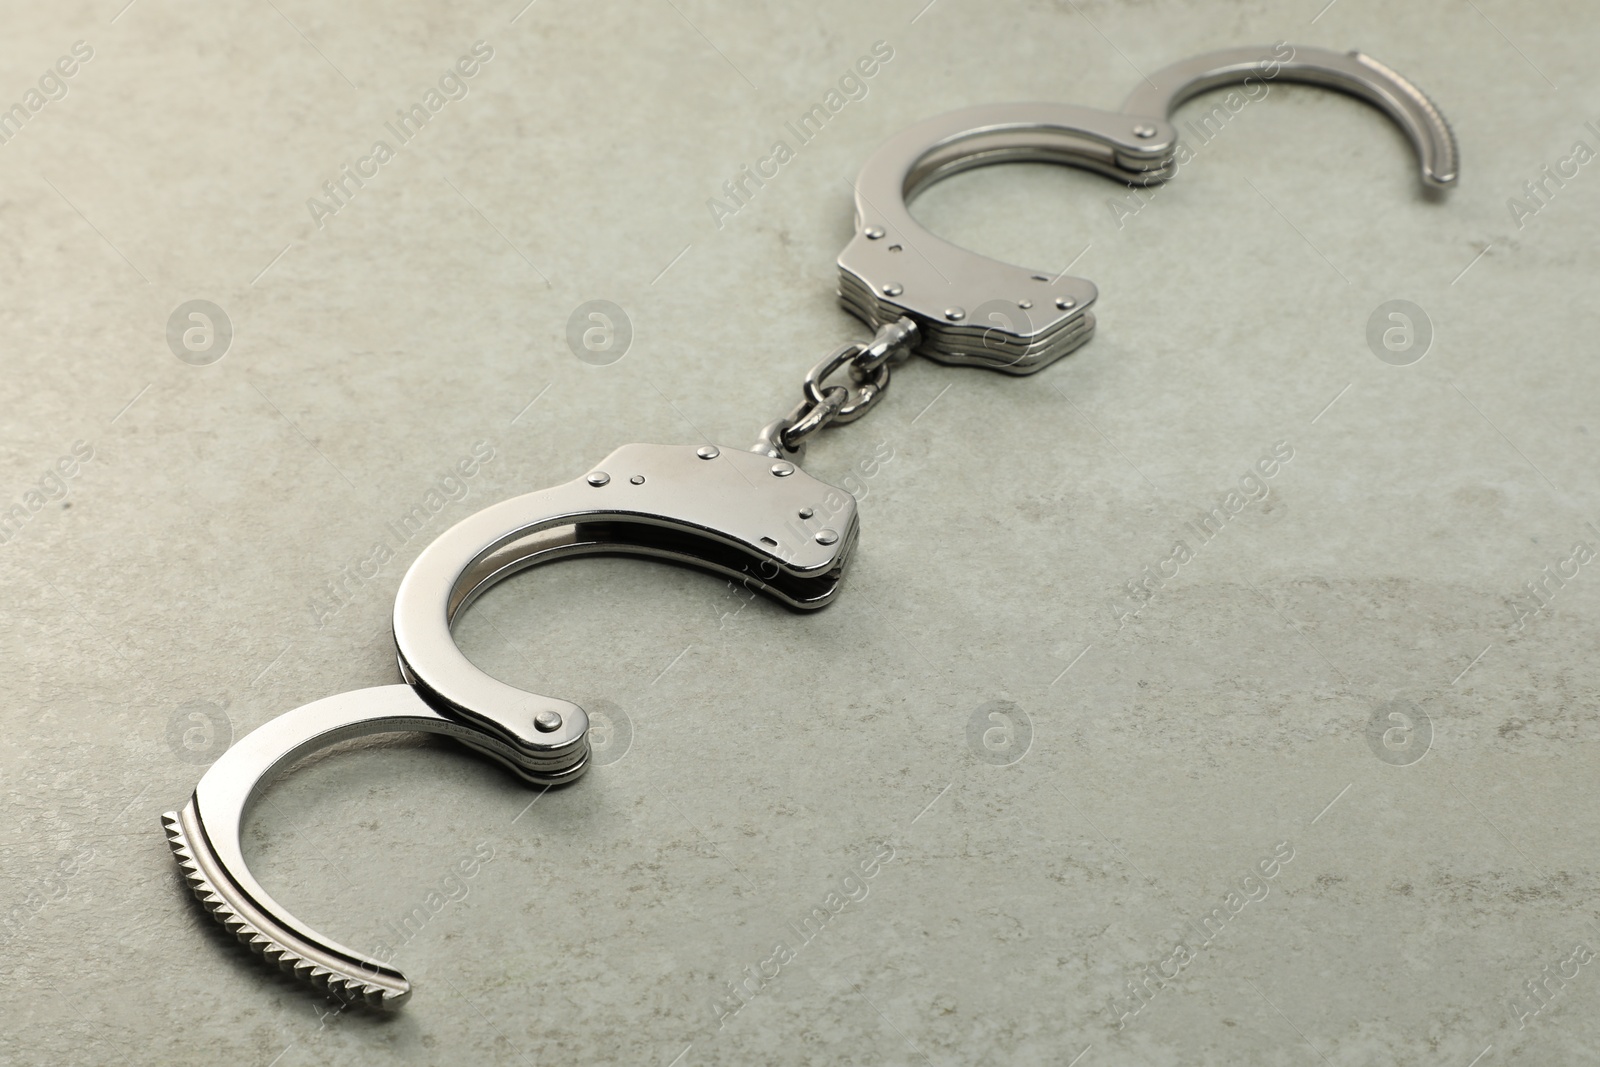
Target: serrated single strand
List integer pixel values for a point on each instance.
(271, 946)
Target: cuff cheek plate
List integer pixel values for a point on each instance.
(724, 511)
(738, 514)
(971, 309)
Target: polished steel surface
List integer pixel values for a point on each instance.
(971, 309)
(868, 364)
(768, 525)
(1359, 75)
(976, 311)
(729, 514)
(205, 834)
(753, 516)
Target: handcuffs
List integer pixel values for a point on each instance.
(750, 514)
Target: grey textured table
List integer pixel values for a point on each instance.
(991, 807)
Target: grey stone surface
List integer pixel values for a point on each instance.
(170, 599)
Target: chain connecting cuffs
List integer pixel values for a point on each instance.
(866, 364)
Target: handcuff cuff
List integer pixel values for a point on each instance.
(750, 514)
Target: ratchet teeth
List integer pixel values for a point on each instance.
(237, 914)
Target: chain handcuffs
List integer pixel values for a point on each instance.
(749, 514)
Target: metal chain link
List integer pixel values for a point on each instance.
(867, 365)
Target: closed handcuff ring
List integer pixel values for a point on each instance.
(752, 515)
